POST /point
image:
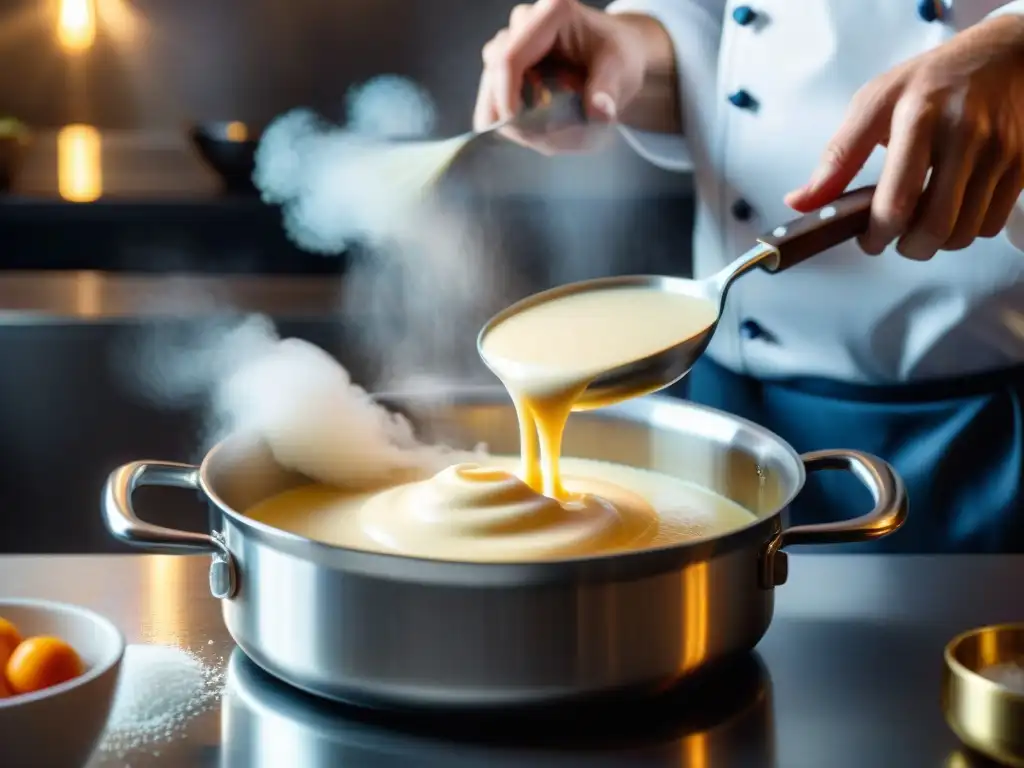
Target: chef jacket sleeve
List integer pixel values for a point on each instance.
(1016, 6)
(1015, 226)
(695, 27)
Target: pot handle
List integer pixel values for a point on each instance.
(889, 513)
(124, 524)
(887, 516)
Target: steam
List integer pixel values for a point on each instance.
(365, 183)
(314, 418)
(293, 395)
(390, 107)
(420, 283)
(423, 275)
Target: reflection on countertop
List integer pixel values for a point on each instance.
(95, 296)
(723, 719)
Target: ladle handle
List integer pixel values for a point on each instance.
(843, 219)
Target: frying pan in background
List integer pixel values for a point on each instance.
(229, 149)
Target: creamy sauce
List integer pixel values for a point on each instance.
(548, 354)
(489, 515)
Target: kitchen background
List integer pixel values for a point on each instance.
(101, 222)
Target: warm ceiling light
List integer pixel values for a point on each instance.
(76, 25)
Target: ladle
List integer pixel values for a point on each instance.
(783, 247)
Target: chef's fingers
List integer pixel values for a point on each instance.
(988, 171)
(907, 159)
(865, 126)
(498, 76)
(485, 113)
(519, 15)
(1004, 198)
(532, 34)
(938, 208)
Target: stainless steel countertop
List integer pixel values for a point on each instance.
(848, 675)
(90, 296)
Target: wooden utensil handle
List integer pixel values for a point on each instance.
(843, 219)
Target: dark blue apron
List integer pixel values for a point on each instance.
(957, 445)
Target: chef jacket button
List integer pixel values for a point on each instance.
(742, 210)
(931, 10)
(742, 99)
(751, 329)
(743, 15)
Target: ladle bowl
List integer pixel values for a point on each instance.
(785, 246)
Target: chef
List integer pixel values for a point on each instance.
(908, 343)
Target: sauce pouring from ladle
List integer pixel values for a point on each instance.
(783, 247)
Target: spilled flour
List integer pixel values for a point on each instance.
(161, 689)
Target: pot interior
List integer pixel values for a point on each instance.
(729, 456)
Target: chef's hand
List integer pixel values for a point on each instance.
(958, 111)
(610, 48)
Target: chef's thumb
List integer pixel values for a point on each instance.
(604, 90)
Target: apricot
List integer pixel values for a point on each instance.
(42, 662)
(10, 639)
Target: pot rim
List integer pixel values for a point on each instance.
(651, 410)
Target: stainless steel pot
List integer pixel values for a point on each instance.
(399, 631)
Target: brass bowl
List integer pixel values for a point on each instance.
(983, 691)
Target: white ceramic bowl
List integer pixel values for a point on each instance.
(60, 726)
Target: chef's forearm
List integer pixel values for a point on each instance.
(657, 107)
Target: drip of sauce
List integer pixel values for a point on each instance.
(548, 354)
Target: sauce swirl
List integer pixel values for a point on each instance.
(488, 513)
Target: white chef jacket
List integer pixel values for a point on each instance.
(842, 315)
